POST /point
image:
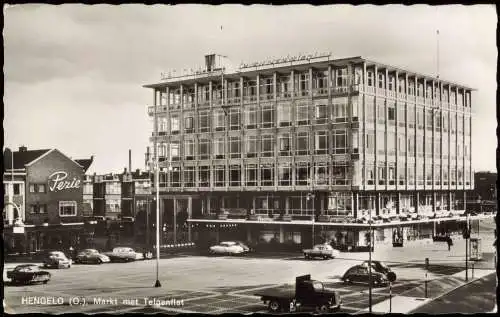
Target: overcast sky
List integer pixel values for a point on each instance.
(73, 73)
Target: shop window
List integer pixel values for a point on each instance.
(67, 208)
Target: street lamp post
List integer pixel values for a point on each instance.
(157, 189)
(370, 265)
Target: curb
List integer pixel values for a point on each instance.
(449, 291)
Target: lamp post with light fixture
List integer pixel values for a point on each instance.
(157, 189)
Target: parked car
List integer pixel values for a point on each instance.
(378, 266)
(28, 273)
(91, 256)
(56, 260)
(324, 251)
(124, 254)
(360, 274)
(229, 248)
(306, 294)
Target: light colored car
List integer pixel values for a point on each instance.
(57, 260)
(324, 251)
(91, 256)
(124, 254)
(229, 248)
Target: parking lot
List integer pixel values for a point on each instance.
(204, 284)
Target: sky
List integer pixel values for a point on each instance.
(73, 74)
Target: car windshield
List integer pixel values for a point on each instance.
(57, 254)
(227, 244)
(122, 250)
(90, 251)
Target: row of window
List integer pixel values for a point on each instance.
(437, 146)
(383, 175)
(38, 188)
(302, 174)
(66, 208)
(286, 144)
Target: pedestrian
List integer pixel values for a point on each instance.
(450, 242)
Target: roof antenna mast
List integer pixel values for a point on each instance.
(437, 55)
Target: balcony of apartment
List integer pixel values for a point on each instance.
(381, 92)
(283, 95)
(401, 96)
(249, 98)
(233, 101)
(159, 110)
(203, 103)
(320, 92)
(301, 93)
(391, 94)
(266, 96)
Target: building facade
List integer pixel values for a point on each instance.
(326, 140)
(44, 200)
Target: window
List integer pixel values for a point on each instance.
(391, 143)
(437, 121)
(219, 120)
(342, 77)
(250, 90)
(428, 92)
(370, 78)
(266, 88)
(204, 176)
(460, 124)
(251, 117)
(402, 144)
(370, 110)
(381, 173)
(302, 147)
(320, 82)
(401, 86)
(188, 124)
(428, 174)
(340, 109)
(267, 145)
(189, 149)
(251, 175)
(38, 209)
(321, 114)
(203, 95)
(411, 145)
(189, 176)
(219, 148)
(302, 115)
(204, 149)
(445, 146)
(251, 146)
(411, 174)
(428, 146)
(411, 88)
(460, 175)
(284, 86)
(302, 84)
(267, 116)
(32, 188)
(284, 174)
(216, 93)
(284, 144)
(174, 123)
(113, 188)
(339, 174)
(321, 142)
(380, 111)
(437, 147)
(467, 126)
(381, 146)
(220, 175)
(453, 150)
(234, 119)
(233, 91)
(284, 114)
(437, 174)
(391, 177)
(420, 90)
(234, 147)
(204, 122)
(340, 141)
(370, 142)
(234, 175)
(67, 208)
(391, 113)
(162, 125)
(420, 118)
(174, 150)
(354, 109)
(401, 175)
(321, 174)
(370, 174)
(302, 174)
(391, 83)
(381, 81)
(453, 176)
(428, 119)
(175, 179)
(267, 175)
(411, 116)
(420, 145)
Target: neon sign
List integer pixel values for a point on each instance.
(59, 181)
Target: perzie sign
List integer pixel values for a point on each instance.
(59, 181)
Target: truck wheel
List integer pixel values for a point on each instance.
(306, 257)
(274, 306)
(322, 309)
(325, 257)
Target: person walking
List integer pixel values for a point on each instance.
(449, 241)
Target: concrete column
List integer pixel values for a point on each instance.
(416, 201)
(434, 196)
(450, 202)
(287, 204)
(398, 204)
(282, 234)
(355, 206)
(190, 212)
(175, 220)
(465, 200)
(377, 204)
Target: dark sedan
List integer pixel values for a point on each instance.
(378, 266)
(28, 273)
(360, 274)
(91, 256)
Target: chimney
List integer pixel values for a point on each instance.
(23, 148)
(125, 170)
(130, 160)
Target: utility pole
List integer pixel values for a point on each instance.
(370, 264)
(157, 189)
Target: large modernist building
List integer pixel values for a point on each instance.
(308, 140)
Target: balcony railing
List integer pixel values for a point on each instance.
(370, 89)
(340, 90)
(266, 96)
(401, 95)
(391, 94)
(320, 92)
(159, 109)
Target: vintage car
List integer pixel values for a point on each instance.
(378, 266)
(28, 273)
(324, 251)
(360, 274)
(124, 254)
(91, 256)
(229, 248)
(56, 260)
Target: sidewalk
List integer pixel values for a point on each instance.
(415, 298)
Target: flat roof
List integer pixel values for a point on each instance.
(271, 68)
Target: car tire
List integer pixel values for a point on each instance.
(99, 261)
(325, 257)
(322, 309)
(274, 306)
